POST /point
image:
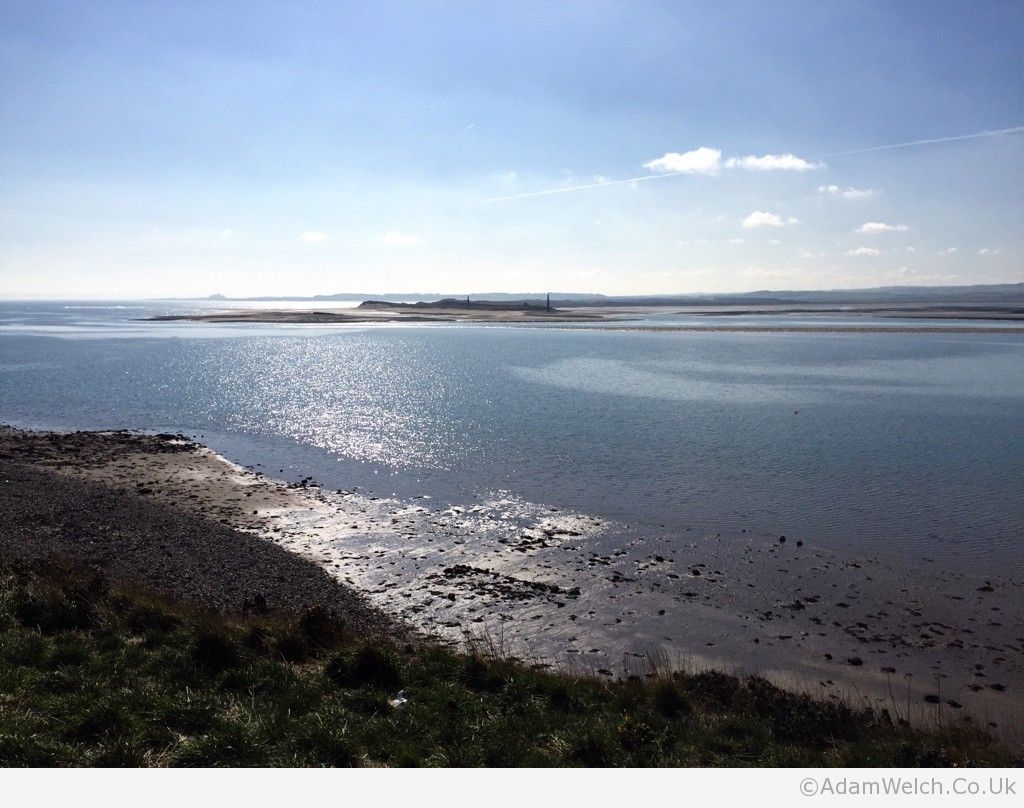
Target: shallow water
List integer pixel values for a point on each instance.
(907, 444)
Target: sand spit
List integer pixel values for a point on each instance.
(573, 590)
(508, 313)
(433, 315)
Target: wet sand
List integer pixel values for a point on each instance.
(575, 591)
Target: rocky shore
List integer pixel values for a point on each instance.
(126, 531)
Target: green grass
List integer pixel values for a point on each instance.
(96, 676)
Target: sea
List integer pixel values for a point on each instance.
(907, 445)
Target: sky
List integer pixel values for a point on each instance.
(180, 149)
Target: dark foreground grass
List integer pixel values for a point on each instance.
(96, 676)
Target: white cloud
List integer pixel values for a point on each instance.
(948, 251)
(911, 249)
(989, 251)
(846, 193)
(863, 251)
(736, 240)
(396, 238)
(313, 237)
(760, 218)
(699, 161)
(772, 162)
(706, 160)
(809, 254)
(881, 227)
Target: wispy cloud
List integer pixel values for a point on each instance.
(772, 162)
(919, 276)
(313, 237)
(989, 251)
(859, 251)
(949, 251)
(761, 218)
(809, 254)
(708, 161)
(396, 238)
(873, 228)
(846, 193)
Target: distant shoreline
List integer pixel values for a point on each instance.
(994, 295)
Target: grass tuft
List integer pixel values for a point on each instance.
(366, 666)
(214, 651)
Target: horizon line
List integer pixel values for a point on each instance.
(455, 295)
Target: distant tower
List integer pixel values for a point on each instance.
(549, 301)
(467, 301)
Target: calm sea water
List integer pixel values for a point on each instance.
(910, 444)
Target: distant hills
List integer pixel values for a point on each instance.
(999, 294)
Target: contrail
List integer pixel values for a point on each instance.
(985, 133)
(647, 177)
(566, 190)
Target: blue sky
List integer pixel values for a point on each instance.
(191, 148)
